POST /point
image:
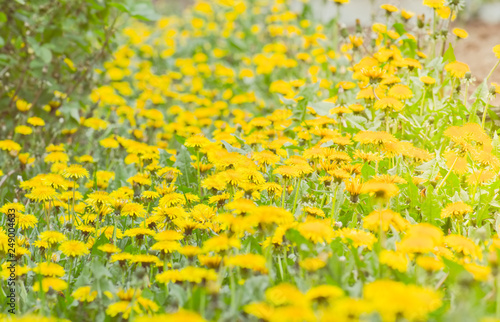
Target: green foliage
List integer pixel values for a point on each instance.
(55, 45)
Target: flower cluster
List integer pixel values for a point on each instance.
(244, 161)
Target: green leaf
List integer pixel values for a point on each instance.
(178, 292)
(322, 108)
(287, 101)
(231, 148)
(430, 169)
(119, 6)
(481, 91)
(236, 44)
(183, 163)
(99, 270)
(70, 110)
(296, 238)
(143, 11)
(449, 55)
(3, 17)
(400, 28)
(180, 139)
(367, 171)
(45, 54)
(493, 115)
(474, 108)
(100, 241)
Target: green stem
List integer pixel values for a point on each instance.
(283, 194)
(281, 268)
(498, 295)
(465, 93)
(452, 88)
(358, 263)
(199, 172)
(296, 196)
(422, 103)
(433, 34)
(492, 70)
(233, 292)
(446, 177)
(387, 121)
(332, 213)
(202, 302)
(71, 261)
(336, 28)
(483, 122)
(73, 203)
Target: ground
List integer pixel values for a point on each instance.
(476, 51)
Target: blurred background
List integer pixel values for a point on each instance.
(480, 18)
(484, 10)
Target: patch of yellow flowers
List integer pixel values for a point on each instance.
(236, 165)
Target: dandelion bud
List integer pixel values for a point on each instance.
(492, 90)
(421, 21)
(343, 32)
(468, 76)
(140, 272)
(358, 27)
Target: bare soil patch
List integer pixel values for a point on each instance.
(476, 51)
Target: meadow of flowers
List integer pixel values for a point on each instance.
(244, 162)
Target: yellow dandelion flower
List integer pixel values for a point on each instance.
(407, 14)
(36, 121)
(480, 273)
(22, 105)
(429, 263)
(456, 210)
(324, 292)
(496, 51)
(133, 209)
(75, 172)
(312, 264)
(464, 246)
(435, 4)
(358, 237)
(389, 8)
(380, 190)
(74, 248)
(23, 129)
(389, 103)
(427, 80)
(254, 262)
(316, 231)
(84, 294)
(49, 269)
(42, 193)
(400, 91)
(460, 33)
(385, 219)
(48, 283)
(394, 259)
(457, 69)
(27, 221)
